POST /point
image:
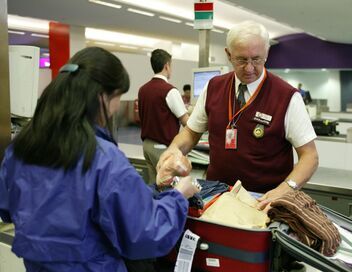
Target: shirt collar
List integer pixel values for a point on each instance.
(161, 77)
(251, 86)
(104, 134)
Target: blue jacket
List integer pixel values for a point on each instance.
(69, 221)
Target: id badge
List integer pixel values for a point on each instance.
(231, 138)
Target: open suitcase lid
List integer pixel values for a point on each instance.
(304, 253)
(283, 244)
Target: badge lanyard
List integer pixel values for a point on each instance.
(231, 129)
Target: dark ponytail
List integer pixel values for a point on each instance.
(62, 128)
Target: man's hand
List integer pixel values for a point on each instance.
(172, 163)
(266, 199)
(169, 152)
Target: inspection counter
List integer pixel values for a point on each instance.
(331, 185)
(328, 186)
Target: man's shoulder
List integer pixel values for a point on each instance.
(278, 82)
(221, 80)
(221, 77)
(145, 85)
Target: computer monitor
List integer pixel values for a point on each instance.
(201, 76)
(307, 98)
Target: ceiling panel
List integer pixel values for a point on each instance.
(327, 19)
(322, 18)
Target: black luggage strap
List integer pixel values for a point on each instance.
(233, 253)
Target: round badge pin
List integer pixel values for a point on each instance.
(258, 131)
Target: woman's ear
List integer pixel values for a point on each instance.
(100, 117)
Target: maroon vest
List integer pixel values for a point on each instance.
(158, 123)
(260, 163)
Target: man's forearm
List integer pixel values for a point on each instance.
(185, 140)
(306, 166)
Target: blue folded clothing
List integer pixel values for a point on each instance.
(209, 188)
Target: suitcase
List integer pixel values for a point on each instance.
(325, 127)
(228, 249)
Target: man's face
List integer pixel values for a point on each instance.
(187, 93)
(248, 59)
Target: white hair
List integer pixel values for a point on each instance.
(245, 31)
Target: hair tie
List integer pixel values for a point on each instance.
(70, 68)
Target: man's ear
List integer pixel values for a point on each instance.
(228, 54)
(166, 66)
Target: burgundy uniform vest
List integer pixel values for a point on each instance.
(158, 123)
(260, 163)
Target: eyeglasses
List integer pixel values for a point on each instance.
(242, 62)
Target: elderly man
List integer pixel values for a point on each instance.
(253, 118)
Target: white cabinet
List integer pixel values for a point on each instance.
(24, 79)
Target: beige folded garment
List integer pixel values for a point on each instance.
(236, 209)
(6, 227)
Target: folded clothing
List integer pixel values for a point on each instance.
(306, 219)
(236, 209)
(210, 188)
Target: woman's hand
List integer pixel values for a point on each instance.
(186, 187)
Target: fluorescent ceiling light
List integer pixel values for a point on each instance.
(183, 8)
(16, 32)
(170, 19)
(26, 23)
(190, 24)
(147, 49)
(118, 37)
(105, 44)
(273, 42)
(105, 4)
(128, 46)
(141, 12)
(217, 30)
(40, 35)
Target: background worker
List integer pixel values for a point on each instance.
(301, 91)
(253, 118)
(161, 110)
(75, 200)
(186, 97)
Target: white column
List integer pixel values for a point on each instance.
(5, 119)
(77, 39)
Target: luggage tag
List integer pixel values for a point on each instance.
(231, 138)
(186, 252)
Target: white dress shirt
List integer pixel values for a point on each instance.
(174, 100)
(298, 126)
